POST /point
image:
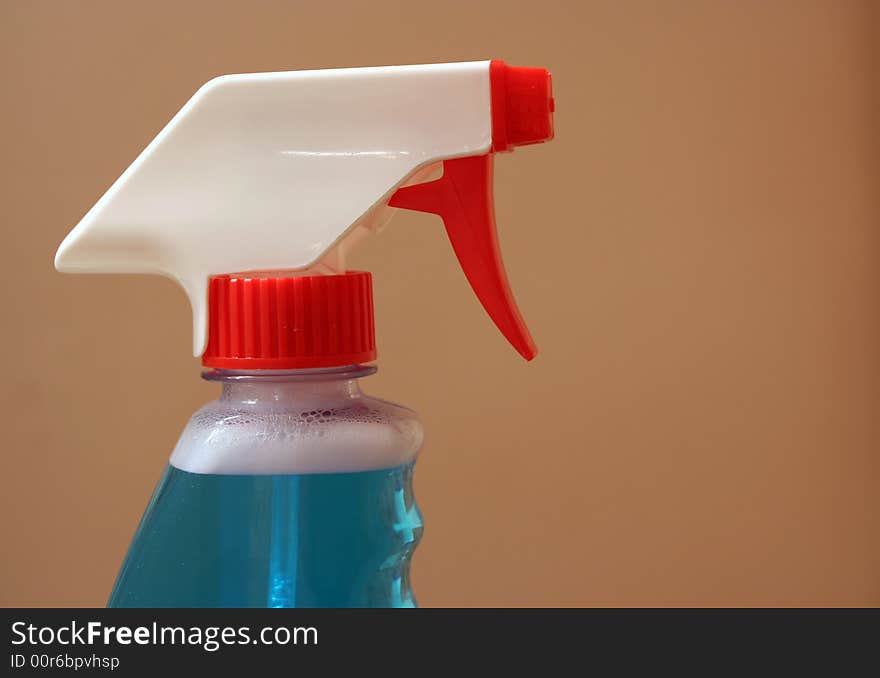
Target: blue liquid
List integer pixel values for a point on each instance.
(312, 540)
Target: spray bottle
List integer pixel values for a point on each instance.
(294, 488)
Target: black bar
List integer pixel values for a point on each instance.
(377, 642)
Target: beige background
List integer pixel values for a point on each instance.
(698, 255)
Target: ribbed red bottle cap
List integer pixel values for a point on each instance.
(278, 323)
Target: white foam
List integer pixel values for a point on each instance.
(298, 436)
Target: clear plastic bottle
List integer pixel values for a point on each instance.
(293, 489)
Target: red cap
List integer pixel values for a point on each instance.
(283, 323)
(522, 105)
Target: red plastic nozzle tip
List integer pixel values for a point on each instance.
(522, 105)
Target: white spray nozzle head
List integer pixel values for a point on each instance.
(270, 171)
(277, 171)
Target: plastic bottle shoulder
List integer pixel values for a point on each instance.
(336, 435)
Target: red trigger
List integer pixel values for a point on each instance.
(462, 197)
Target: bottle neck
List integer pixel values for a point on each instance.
(268, 388)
